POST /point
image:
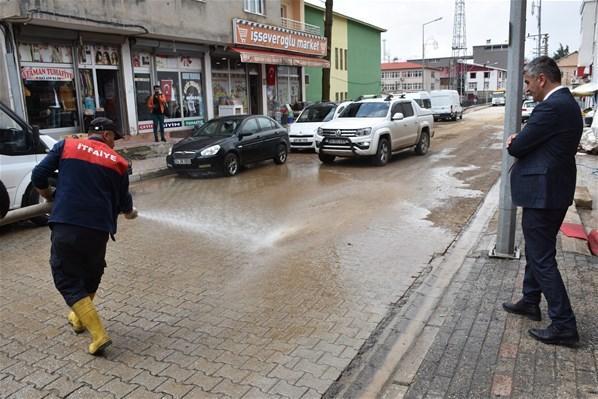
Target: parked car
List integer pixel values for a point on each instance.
(303, 131)
(498, 98)
(21, 148)
(446, 104)
(526, 109)
(223, 145)
(376, 128)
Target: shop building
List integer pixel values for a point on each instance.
(400, 77)
(354, 57)
(62, 66)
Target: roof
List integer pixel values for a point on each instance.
(393, 66)
(338, 14)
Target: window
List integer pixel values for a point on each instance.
(472, 75)
(265, 123)
(13, 140)
(473, 85)
(251, 126)
(433, 74)
(345, 96)
(306, 79)
(254, 6)
(486, 75)
(345, 59)
(432, 87)
(486, 85)
(336, 58)
(336, 96)
(341, 58)
(407, 109)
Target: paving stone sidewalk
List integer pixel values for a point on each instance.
(480, 351)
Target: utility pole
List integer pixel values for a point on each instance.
(507, 213)
(539, 7)
(328, 35)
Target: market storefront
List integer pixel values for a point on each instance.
(69, 80)
(281, 53)
(179, 73)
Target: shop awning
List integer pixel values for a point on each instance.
(587, 89)
(270, 57)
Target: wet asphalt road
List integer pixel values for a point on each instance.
(263, 284)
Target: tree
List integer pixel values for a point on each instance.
(328, 35)
(561, 52)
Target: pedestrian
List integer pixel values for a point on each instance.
(157, 106)
(93, 188)
(543, 184)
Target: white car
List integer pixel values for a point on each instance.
(303, 131)
(376, 128)
(21, 148)
(526, 109)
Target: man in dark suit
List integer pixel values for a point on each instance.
(543, 184)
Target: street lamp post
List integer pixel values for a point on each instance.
(424, 52)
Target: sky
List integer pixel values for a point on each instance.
(484, 19)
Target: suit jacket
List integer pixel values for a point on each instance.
(544, 174)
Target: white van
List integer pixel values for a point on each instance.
(422, 98)
(21, 148)
(446, 104)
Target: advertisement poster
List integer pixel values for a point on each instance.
(47, 74)
(106, 55)
(141, 60)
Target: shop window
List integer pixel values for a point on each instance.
(229, 86)
(51, 104)
(169, 83)
(255, 6)
(99, 82)
(143, 91)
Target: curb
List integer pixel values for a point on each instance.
(137, 177)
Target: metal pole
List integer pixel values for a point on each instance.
(424, 48)
(505, 240)
(539, 28)
(423, 58)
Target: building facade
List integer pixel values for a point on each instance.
(64, 65)
(569, 70)
(496, 55)
(354, 61)
(588, 48)
(408, 77)
(480, 81)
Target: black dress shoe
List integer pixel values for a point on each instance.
(530, 310)
(555, 336)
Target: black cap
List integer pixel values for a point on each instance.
(102, 124)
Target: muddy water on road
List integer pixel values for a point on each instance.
(279, 265)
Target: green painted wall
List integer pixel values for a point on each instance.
(364, 60)
(313, 90)
(363, 57)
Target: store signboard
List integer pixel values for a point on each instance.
(248, 33)
(47, 74)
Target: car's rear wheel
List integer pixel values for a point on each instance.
(461, 115)
(383, 154)
(281, 154)
(423, 145)
(326, 158)
(231, 164)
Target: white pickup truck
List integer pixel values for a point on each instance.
(376, 128)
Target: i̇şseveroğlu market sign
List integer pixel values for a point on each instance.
(254, 34)
(44, 73)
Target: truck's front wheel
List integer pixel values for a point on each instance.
(326, 158)
(383, 154)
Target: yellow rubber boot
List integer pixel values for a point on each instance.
(74, 321)
(90, 319)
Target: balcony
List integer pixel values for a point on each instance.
(300, 26)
